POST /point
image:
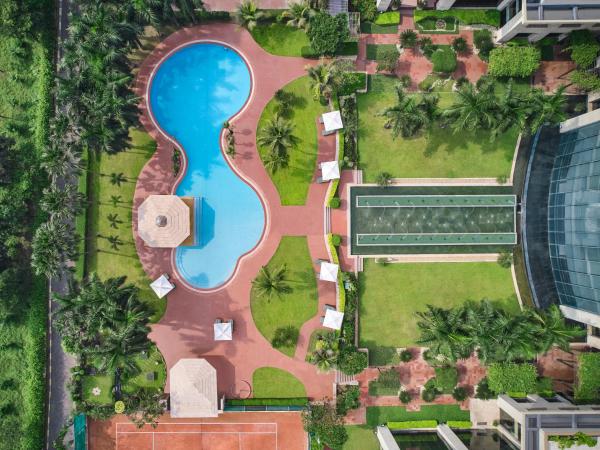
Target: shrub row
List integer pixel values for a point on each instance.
(465, 16)
(412, 424)
(460, 424)
(294, 401)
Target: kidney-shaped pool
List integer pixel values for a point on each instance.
(193, 92)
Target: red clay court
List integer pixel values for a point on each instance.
(243, 431)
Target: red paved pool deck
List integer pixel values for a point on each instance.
(186, 329)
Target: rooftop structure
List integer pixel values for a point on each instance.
(193, 387)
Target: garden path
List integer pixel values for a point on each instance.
(186, 329)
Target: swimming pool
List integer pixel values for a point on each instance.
(192, 93)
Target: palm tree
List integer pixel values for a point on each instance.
(271, 282)
(405, 118)
(298, 15)
(550, 329)
(141, 11)
(512, 112)
(62, 202)
(324, 359)
(384, 179)
(546, 109)
(114, 220)
(60, 161)
(275, 161)
(323, 79)
(277, 136)
(117, 178)
(473, 109)
(248, 15)
(441, 331)
(114, 241)
(54, 243)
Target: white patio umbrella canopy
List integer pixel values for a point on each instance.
(162, 286)
(333, 319)
(332, 121)
(328, 272)
(193, 388)
(223, 331)
(163, 221)
(330, 170)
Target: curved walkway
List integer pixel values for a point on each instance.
(186, 330)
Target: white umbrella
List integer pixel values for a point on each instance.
(162, 286)
(332, 121)
(333, 319)
(330, 170)
(329, 272)
(223, 331)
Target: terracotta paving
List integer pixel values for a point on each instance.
(560, 366)
(413, 375)
(248, 431)
(552, 74)
(186, 329)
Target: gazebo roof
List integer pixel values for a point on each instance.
(330, 170)
(332, 121)
(193, 386)
(333, 319)
(328, 272)
(163, 221)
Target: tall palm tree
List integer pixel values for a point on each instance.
(298, 15)
(60, 161)
(248, 15)
(546, 109)
(323, 79)
(405, 118)
(271, 282)
(441, 331)
(62, 202)
(275, 161)
(143, 12)
(277, 136)
(325, 359)
(512, 112)
(54, 244)
(550, 329)
(473, 109)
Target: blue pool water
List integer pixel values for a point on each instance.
(193, 92)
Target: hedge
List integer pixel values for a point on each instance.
(584, 48)
(587, 389)
(388, 18)
(511, 377)
(465, 16)
(352, 82)
(460, 424)
(295, 401)
(336, 260)
(586, 81)
(412, 424)
(514, 61)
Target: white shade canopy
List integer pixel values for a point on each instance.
(333, 319)
(329, 272)
(193, 389)
(223, 331)
(330, 170)
(163, 221)
(332, 121)
(162, 286)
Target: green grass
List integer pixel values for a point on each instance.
(271, 382)
(377, 390)
(388, 18)
(101, 258)
(442, 413)
(293, 308)
(428, 26)
(439, 153)
(153, 364)
(374, 28)
(360, 437)
(375, 51)
(280, 39)
(391, 294)
(104, 382)
(293, 182)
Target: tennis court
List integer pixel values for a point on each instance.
(389, 220)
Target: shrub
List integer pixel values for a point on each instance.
(505, 259)
(459, 424)
(514, 61)
(587, 389)
(579, 439)
(352, 82)
(347, 399)
(119, 407)
(408, 39)
(336, 240)
(430, 392)
(427, 46)
(459, 393)
(406, 356)
(465, 16)
(584, 48)
(335, 202)
(586, 81)
(351, 361)
(406, 425)
(427, 84)
(405, 397)
(482, 39)
(285, 337)
(327, 34)
(483, 390)
(545, 387)
(459, 45)
(387, 60)
(366, 8)
(512, 377)
(388, 18)
(446, 378)
(444, 60)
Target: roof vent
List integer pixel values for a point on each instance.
(161, 221)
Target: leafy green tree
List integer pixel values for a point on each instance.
(351, 361)
(248, 15)
(53, 245)
(546, 109)
(298, 15)
(327, 33)
(323, 421)
(366, 8)
(407, 117)
(271, 282)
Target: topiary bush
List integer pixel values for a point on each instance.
(429, 395)
(459, 393)
(514, 61)
(444, 60)
(406, 356)
(483, 391)
(336, 240)
(459, 45)
(405, 397)
(446, 379)
(512, 378)
(119, 407)
(335, 202)
(285, 337)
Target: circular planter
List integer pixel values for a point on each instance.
(440, 24)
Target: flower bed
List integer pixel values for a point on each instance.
(434, 25)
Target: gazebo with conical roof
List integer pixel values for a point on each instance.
(163, 221)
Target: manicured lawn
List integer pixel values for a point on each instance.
(104, 382)
(271, 382)
(439, 153)
(375, 28)
(442, 413)
(391, 294)
(280, 39)
(293, 181)
(293, 308)
(361, 437)
(376, 50)
(154, 364)
(101, 258)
